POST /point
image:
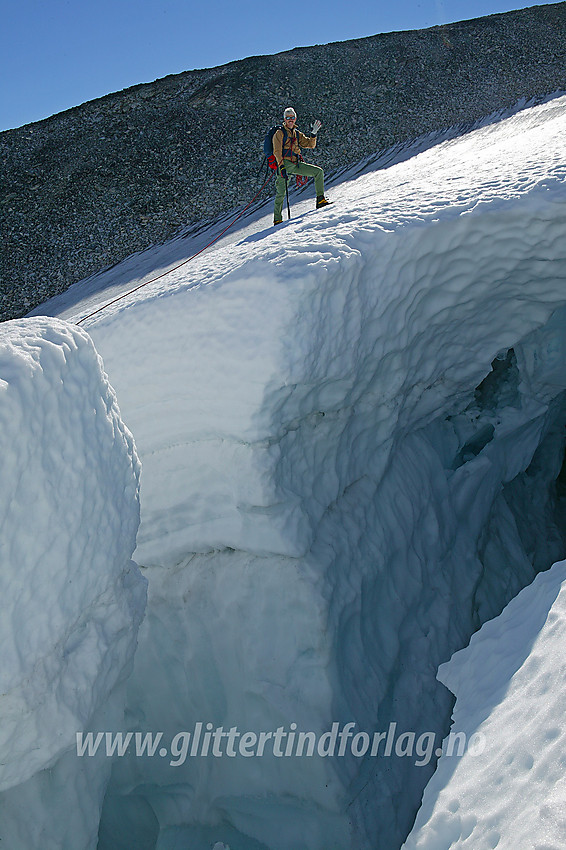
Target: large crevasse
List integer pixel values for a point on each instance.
(352, 434)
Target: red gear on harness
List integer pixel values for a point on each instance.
(272, 162)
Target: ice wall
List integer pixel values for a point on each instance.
(337, 482)
(509, 684)
(71, 598)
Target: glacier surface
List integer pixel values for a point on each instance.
(351, 431)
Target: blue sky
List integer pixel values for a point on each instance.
(55, 54)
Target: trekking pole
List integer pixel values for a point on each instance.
(287, 193)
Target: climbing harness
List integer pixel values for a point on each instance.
(269, 155)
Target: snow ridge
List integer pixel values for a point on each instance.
(509, 688)
(72, 598)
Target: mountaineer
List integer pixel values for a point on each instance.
(287, 144)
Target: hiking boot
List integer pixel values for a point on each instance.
(322, 202)
(277, 221)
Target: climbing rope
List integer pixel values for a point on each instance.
(157, 277)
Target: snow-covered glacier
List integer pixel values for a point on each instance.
(71, 597)
(351, 432)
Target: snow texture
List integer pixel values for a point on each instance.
(369, 301)
(344, 425)
(72, 599)
(509, 685)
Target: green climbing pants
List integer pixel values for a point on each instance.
(304, 169)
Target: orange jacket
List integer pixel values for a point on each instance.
(293, 144)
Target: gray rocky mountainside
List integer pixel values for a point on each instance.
(87, 187)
